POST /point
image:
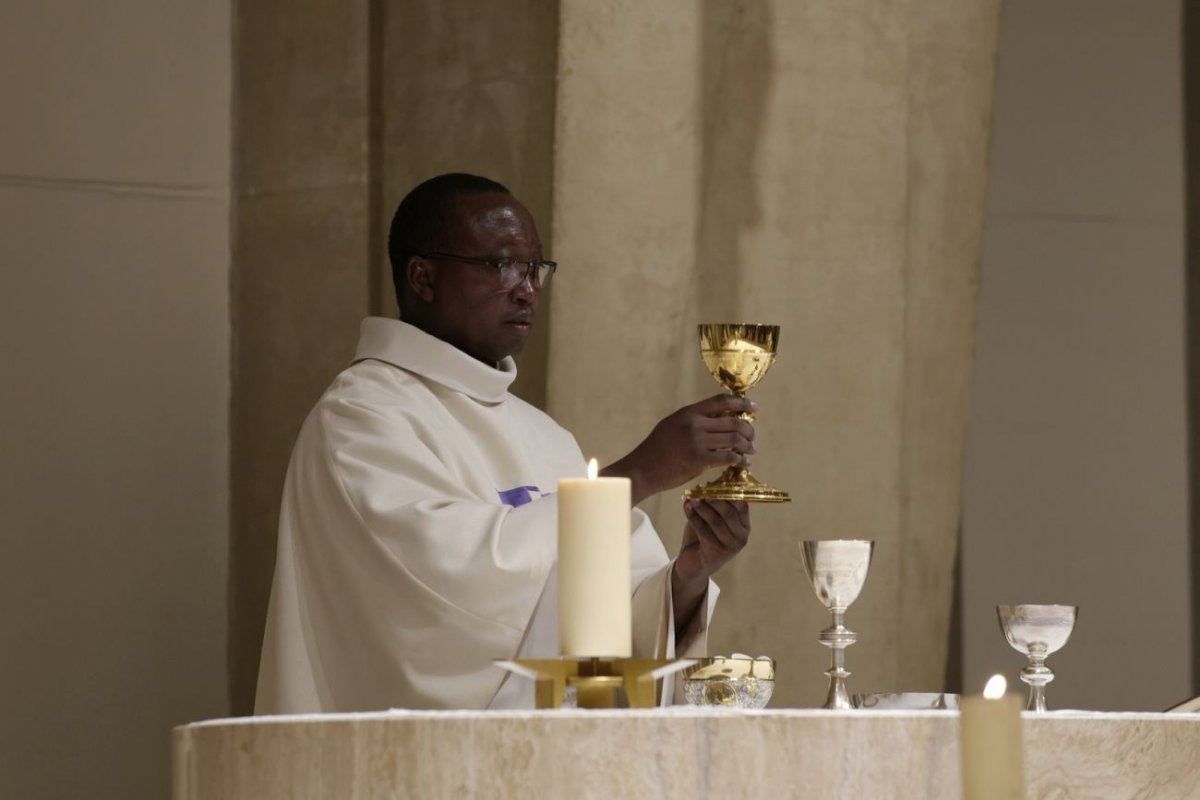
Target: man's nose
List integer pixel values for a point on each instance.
(525, 289)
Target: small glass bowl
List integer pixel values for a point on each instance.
(735, 681)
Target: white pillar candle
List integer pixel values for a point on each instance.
(594, 610)
(993, 756)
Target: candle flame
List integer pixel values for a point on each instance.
(996, 686)
(593, 470)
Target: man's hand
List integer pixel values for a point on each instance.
(686, 443)
(716, 531)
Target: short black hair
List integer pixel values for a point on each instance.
(425, 216)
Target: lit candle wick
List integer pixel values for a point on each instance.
(593, 470)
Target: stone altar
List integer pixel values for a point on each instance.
(685, 753)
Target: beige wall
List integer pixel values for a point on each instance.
(114, 239)
(1076, 474)
(815, 165)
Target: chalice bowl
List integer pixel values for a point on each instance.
(837, 569)
(738, 355)
(1037, 631)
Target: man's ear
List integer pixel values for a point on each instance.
(421, 274)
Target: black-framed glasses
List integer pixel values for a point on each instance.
(510, 270)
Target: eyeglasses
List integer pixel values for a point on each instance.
(511, 271)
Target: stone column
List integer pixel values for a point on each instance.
(303, 236)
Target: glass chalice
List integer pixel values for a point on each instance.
(1036, 631)
(738, 355)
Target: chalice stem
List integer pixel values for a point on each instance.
(1037, 675)
(736, 475)
(837, 638)
(838, 697)
(746, 415)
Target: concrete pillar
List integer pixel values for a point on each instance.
(302, 237)
(1077, 474)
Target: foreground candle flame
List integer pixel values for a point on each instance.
(996, 686)
(593, 470)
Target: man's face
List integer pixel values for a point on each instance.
(469, 308)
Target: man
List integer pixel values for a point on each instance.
(418, 528)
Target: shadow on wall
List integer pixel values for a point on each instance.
(739, 66)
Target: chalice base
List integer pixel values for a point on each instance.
(837, 699)
(736, 483)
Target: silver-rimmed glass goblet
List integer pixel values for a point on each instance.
(837, 569)
(1036, 631)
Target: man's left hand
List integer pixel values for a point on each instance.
(716, 531)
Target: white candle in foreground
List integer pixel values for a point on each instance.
(594, 606)
(993, 758)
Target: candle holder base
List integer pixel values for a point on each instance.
(597, 681)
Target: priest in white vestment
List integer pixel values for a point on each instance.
(418, 532)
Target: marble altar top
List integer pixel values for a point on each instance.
(676, 752)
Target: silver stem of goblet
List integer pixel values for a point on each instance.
(1037, 675)
(837, 638)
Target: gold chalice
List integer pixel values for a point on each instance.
(738, 355)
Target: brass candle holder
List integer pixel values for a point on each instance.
(738, 355)
(597, 681)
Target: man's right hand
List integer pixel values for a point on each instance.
(688, 442)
